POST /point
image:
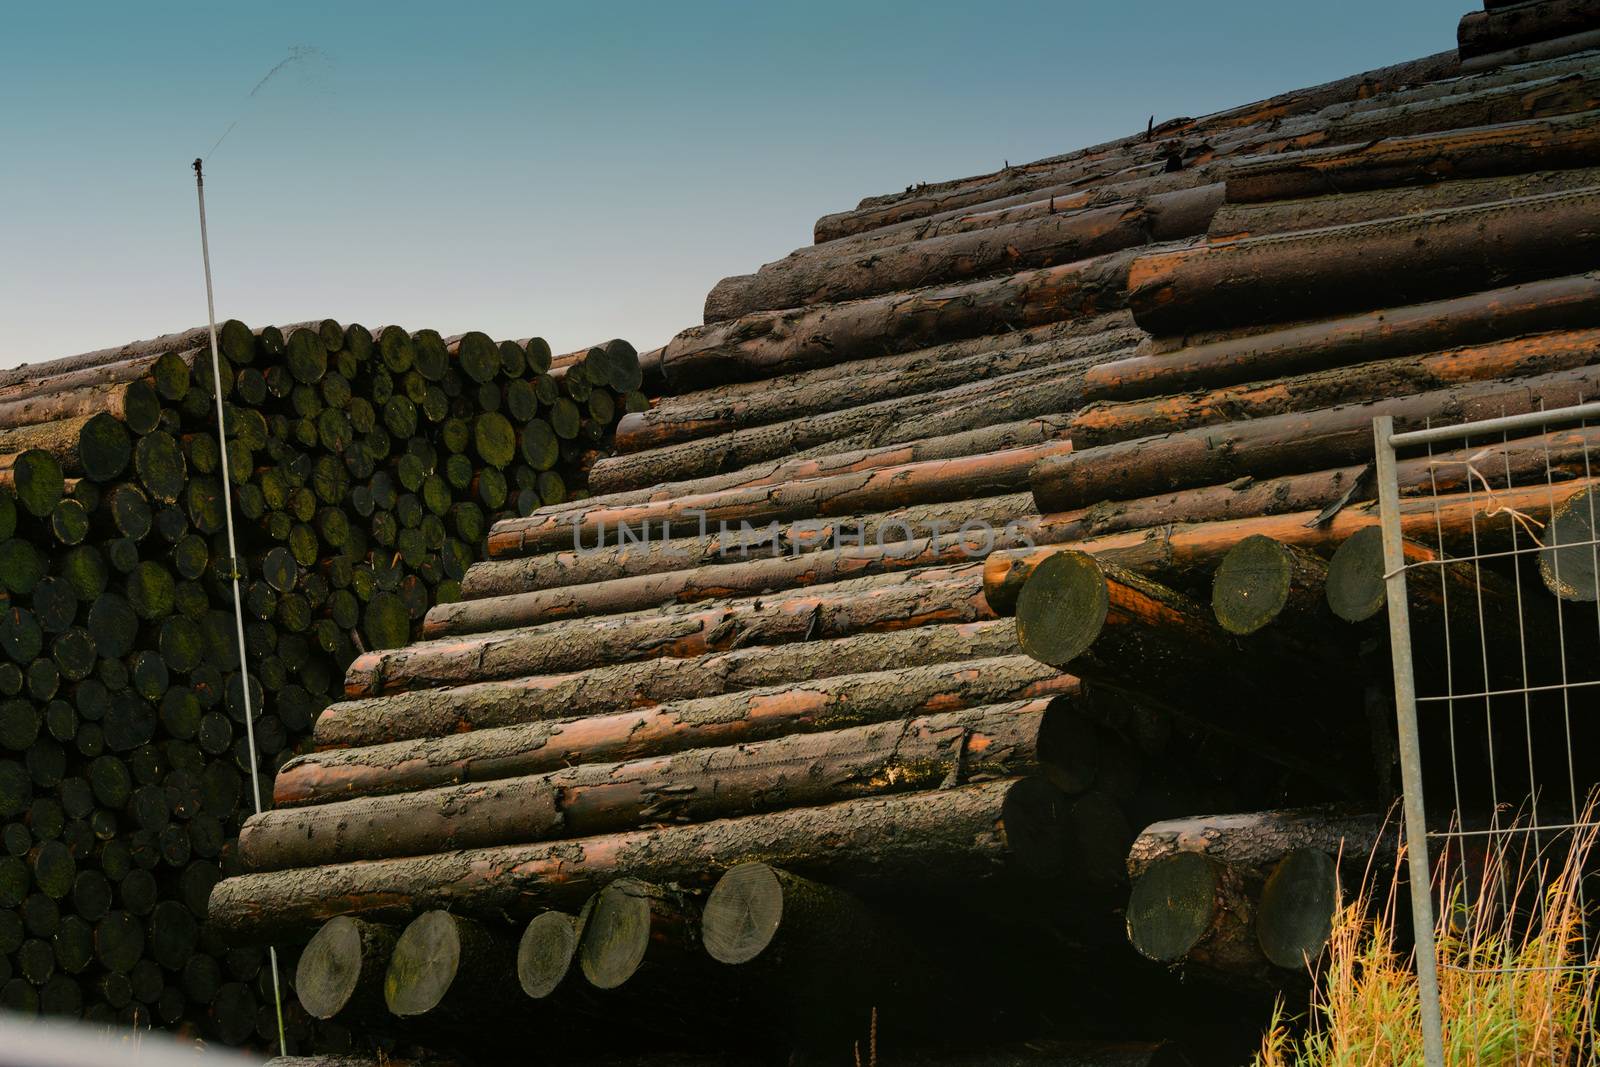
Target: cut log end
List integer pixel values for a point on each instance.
(545, 953)
(1568, 566)
(424, 964)
(1068, 747)
(337, 962)
(1294, 918)
(1062, 608)
(1356, 589)
(743, 913)
(617, 934)
(1252, 584)
(1172, 906)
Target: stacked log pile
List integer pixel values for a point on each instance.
(1123, 395)
(366, 468)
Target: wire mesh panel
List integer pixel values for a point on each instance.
(1490, 572)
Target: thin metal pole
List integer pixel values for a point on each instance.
(1405, 702)
(233, 562)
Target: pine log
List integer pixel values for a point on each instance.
(1365, 265)
(751, 715)
(1262, 582)
(546, 951)
(1039, 391)
(1282, 444)
(447, 966)
(745, 405)
(234, 338)
(1538, 51)
(877, 489)
(757, 345)
(1556, 304)
(1445, 156)
(1297, 908)
(436, 712)
(969, 836)
(922, 598)
(167, 373)
(1007, 513)
(1320, 212)
(725, 578)
(681, 786)
(1254, 843)
(1180, 553)
(1483, 32)
(1189, 908)
(633, 925)
(999, 438)
(1005, 248)
(342, 968)
(1568, 563)
(1108, 422)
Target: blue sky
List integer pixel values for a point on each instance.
(578, 171)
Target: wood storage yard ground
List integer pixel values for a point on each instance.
(783, 769)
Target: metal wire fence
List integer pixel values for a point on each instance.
(1491, 563)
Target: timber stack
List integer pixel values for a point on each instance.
(1002, 563)
(365, 469)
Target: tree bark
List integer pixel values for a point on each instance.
(1109, 422)
(1555, 47)
(877, 489)
(1254, 843)
(757, 345)
(967, 836)
(741, 406)
(921, 598)
(1040, 391)
(1482, 32)
(1282, 444)
(1495, 315)
(753, 715)
(1179, 553)
(436, 712)
(1444, 156)
(1262, 582)
(1005, 248)
(556, 570)
(234, 339)
(1365, 265)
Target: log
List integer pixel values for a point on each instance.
(1189, 908)
(721, 579)
(1297, 908)
(1254, 843)
(744, 405)
(633, 927)
(1533, 307)
(1483, 32)
(1282, 444)
(883, 602)
(1445, 156)
(1567, 564)
(1029, 393)
(1004, 514)
(1109, 422)
(1179, 553)
(756, 345)
(969, 836)
(752, 715)
(696, 785)
(234, 339)
(1364, 265)
(436, 712)
(1585, 41)
(546, 951)
(1262, 581)
(877, 489)
(448, 967)
(342, 969)
(1037, 242)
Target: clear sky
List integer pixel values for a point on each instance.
(580, 171)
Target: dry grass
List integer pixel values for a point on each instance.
(1513, 986)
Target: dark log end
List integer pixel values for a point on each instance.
(1355, 576)
(743, 913)
(424, 964)
(545, 953)
(1295, 916)
(1062, 608)
(1038, 827)
(1068, 746)
(1172, 906)
(1252, 584)
(333, 963)
(616, 934)
(1568, 566)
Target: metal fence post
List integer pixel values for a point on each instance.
(1405, 700)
